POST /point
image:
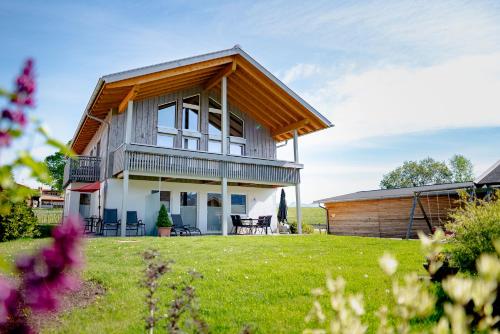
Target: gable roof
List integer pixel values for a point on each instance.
(394, 193)
(265, 97)
(490, 176)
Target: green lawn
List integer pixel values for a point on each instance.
(309, 215)
(264, 281)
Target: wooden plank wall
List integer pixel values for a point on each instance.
(259, 142)
(387, 218)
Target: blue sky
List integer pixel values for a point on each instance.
(401, 80)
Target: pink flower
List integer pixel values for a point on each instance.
(9, 300)
(5, 138)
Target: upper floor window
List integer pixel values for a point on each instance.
(214, 118)
(166, 115)
(191, 113)
(236, 126)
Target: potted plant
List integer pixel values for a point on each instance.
(163, 222)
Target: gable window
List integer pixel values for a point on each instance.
(166, 130)
(235, 126)
(166, 115)
(191, 113)
(214, 127)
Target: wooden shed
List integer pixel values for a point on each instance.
(387, 213)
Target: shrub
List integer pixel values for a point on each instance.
(306, 228)
(163, 218)
(476, 226)
(20, 222)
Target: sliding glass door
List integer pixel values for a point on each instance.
(189, 208)
(214, 212)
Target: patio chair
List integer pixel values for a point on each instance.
(177, 222)
(263, 222)
(239, 222)
(110, 221)
(178, 227)
(236, 220)
(135, 224)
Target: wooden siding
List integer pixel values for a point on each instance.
(387, 218)
(259, 142)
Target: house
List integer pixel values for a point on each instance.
(198, 135)
(400, 213)
(47, 198)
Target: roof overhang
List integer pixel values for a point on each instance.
(250, 86)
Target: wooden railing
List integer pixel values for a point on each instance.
(82, 169)
(159, 161)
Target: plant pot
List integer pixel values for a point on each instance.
(164, 231)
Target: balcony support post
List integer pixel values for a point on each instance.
(225, 206)
(123, 226)
(224, 116)
(298, 203)
(128, 121)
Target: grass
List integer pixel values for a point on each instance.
(261, 281)
(309, 215)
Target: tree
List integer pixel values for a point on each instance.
(55, 164)
(417, 173)
(461, 168)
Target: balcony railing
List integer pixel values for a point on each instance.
(161, 161)
(82, 169)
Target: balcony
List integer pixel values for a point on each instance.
(157, 161)
(82, 169)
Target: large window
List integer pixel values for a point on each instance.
(214, 118)
(166, 115)
(235, 126)
(189, 204)
(238, 204)
(164, 198)
(190, 113)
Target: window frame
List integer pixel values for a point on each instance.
(194, 107)
(246, 203)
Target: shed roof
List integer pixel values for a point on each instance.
(490, 176)
(250, 86)
(394, 193)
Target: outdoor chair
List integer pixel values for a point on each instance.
(178, 227)
(110, 221)
(236, 220)
(135, 224)
(264, 222)
(191, 229)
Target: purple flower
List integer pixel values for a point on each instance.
(25, 86)
(47, 275)
(9, 300)
(5, 138)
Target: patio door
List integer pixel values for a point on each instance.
(189, 208)
(214, 212)
(151, 213)
(84, 208)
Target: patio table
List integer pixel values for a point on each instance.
(91, 224)
(251, 225)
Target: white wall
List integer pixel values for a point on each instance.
(260, 201)
(72, 200)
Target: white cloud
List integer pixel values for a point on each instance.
(460, 93)
(300, 71)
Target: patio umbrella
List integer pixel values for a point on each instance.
(282, 209)
(90, 188)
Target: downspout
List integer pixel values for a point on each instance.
(326, 214)
(108, 125)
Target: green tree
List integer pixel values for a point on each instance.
(55, 164)
(163, 217)
(20, 222)
(461, 168)
(417, 173)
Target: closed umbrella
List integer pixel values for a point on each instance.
(282, 209)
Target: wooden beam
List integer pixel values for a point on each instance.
(290, 127)
(170, 73)
(124, 103)
(225, 72)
